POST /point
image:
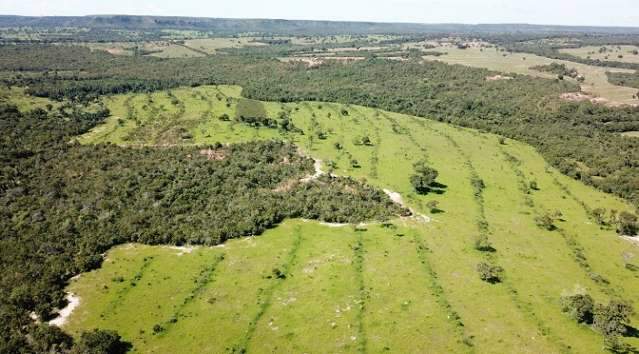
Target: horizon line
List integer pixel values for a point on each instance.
(325, 20)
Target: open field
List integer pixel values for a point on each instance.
(158, 49)
(596, 82)
(611, 53)
(211, 45)
(16, 96)
(407, 286)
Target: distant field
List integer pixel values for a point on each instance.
(16, 96)
(157, 49)
(211, 45)
(596, 82)
(611, 53)
(405, 287)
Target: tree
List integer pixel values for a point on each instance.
(49, 339)
(489, 273)
(424, 177)
(627, 224)
(611, 319)
(579, 307)
(100, 342)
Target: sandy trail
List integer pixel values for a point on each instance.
(182, 249)
(397, 198)
(631, 239)
(318, 172)
(63, 315)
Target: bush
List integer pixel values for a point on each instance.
(627, 224)
(489, 273)
(579, 307)
(546, 221)
(483, 244)
(611, 319)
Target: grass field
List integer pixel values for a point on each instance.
(611, 54)
(403, 287)
(16, 96)
(596, 82)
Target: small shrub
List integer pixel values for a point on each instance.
(158, 329)
(533, 185)
(277, 273)
(489, 273)
(432, 206)
(483, 244)
(546, 222)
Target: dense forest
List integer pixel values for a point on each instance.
(64, 204)
(580, 138)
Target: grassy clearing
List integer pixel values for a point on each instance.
(596, 81)
(212, 45)
(25, 103)
(611, 53)
(380, 289)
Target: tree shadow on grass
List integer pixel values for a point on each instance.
(435, 188)
(631, 332)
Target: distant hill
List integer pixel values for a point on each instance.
(275, 26)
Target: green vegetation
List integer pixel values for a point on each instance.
(523, 108)
(560, 70)
(65, 203)
(446, 248)
(237, 181)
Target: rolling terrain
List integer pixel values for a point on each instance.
(371, 287)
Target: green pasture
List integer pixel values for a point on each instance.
(406, 286)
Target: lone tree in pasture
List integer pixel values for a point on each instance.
(423, 178)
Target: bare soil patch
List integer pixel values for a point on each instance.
(215, 155)
(498, 77)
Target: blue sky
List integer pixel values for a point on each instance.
(564, 12)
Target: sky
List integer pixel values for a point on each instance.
(557, 12)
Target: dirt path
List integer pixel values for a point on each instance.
(318, 172)
(397, 198)
(63, 314)
(632, 239)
